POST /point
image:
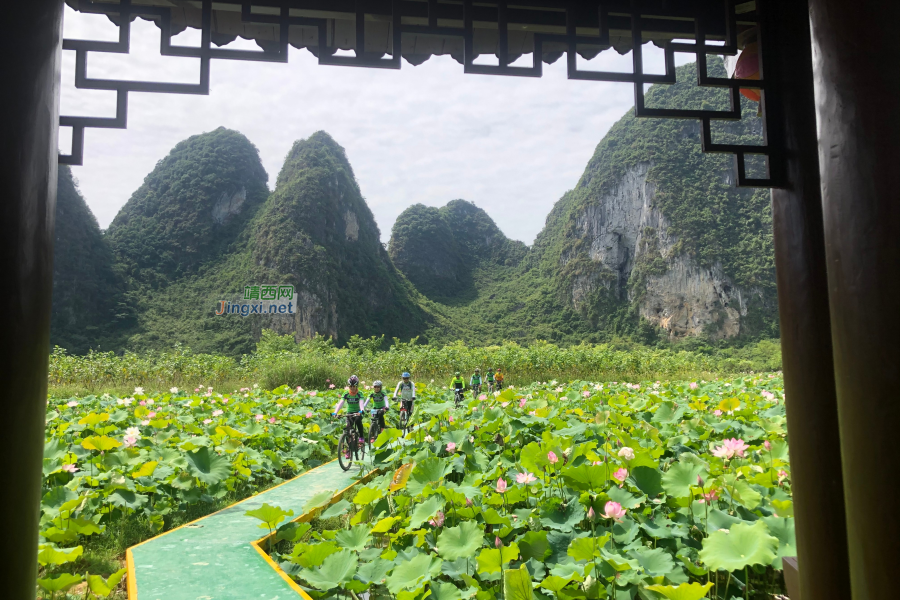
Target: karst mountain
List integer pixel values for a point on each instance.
(654, 242)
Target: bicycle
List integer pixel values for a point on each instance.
(476, 389)
(460, 393)
(375, 429)
(404, 418)
(350, 447)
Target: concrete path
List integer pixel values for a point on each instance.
(213, 558)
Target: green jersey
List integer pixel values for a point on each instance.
(458, 383)
(489, 376)
(353, 402)
(476, 380)
(377, 399)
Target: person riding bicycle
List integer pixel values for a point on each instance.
(380, 401)
(458, 384)
(475, 382)
(355, 402)
(489, 378)
(406, 392)
(498, 379)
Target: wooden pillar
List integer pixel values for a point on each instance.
(31, 51)
(857, 88)
(803, 307)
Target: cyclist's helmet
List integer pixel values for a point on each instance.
(477, 370)
(405, 375)
(377, 383)
(457, 373)
(353, 381)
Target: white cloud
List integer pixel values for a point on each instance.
(424, 134)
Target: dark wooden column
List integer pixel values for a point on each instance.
(31, 47)
(803, 308)
(856, 52)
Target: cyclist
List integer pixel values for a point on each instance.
(489, 378)
(353, 398)
(380, 401)
(406, 392)
(475, 383)
(458, 384)
(498, 379)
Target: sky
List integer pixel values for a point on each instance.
(426, 134)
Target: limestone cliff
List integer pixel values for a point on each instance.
(657, 226)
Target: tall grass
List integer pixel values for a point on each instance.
(316, 363)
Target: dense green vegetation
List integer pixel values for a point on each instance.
(90, 307)
(590, 490)
(278, 360)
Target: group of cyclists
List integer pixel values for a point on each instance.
(354, 438)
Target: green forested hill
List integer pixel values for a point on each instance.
(653, 243)
(89, 304)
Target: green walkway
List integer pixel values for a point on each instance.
(213, 559)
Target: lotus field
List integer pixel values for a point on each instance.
(551, 491)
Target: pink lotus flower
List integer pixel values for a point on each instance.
(271, 419)
(709, 496)
(438, 520)
(767, 445)
(626, 453)
(151, 414)
(327, 381)
(143, 403)
(533, 413)
(69, 468)
(150, 401)
(196, 389)
(260, 417)
(504, 404)
(309, 415)
(207, 421)
(482, 397)
(621, 475)
(71, 404)
(694, 385)
(591, 513)
(331, 386)
(498, 542)
(525, 478)
(451, 418)
(596, 463)
(730, 448)
(469, 502)
(451, 447)
(522, 403)
(501, 486)
(128, 441)
(313, 393)
(145, 422)
(224, 400)
(585, 393)
(782, 475)
(717, 412)
(217, 413)
(614, 511)
(299, 389)
(551, 456)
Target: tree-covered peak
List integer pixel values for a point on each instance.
(190, 207)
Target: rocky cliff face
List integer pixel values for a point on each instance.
(624, 230)
(657, 226)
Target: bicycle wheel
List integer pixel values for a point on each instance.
(374, 430)
(360, 451)
(345, 459)
(404, 420)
